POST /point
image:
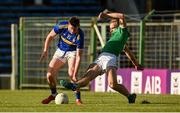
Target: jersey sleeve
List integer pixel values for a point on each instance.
(58, 28)
(80, 39)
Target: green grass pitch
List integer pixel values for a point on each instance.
(30, 101)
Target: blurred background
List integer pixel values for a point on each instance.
(24, 25)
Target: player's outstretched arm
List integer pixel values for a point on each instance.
(111, 15)
(77, 64)
(114, 15)
(48, 40)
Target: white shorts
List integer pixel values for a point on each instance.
(105, 60)
(64, 55)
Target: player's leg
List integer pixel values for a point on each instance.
(112, 82)
(92, 72)
(71, 64)
(54, 66)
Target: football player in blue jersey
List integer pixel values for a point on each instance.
(69, 50)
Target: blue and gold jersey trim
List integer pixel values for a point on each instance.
(67, 41)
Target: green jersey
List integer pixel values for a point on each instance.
(117, 41)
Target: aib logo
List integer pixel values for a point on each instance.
(152, 85)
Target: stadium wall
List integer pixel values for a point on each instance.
(148, 81)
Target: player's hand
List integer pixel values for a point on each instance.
(73, 79)
(43, 55)
(101, 16)
(139, 67)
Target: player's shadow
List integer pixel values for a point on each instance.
(148, 102)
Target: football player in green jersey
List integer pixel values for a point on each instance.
(106, 61)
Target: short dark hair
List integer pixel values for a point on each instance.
(74, 21)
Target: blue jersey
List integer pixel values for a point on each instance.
(68, 41)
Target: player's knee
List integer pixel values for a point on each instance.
(50, 74)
